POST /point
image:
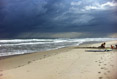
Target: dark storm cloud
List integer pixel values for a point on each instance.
(1, 11)
(19, 17)
(28, 14)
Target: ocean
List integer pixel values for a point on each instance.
(21, 46)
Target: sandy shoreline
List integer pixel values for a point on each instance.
(64, 63)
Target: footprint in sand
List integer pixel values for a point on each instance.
(104, 68)
(34, 60)
(112, 65)
(29, 62)
(95, 61)
(1, 75)
(100, 62)
(108, 77)
(99, 65)
(99, 72)
(108, 71)
(100, 77)
(19, 66)
(22, 65)
(105, 73)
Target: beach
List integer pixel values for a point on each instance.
(64, 63)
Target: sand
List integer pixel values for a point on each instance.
(64, 63)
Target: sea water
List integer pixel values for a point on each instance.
(22, 46)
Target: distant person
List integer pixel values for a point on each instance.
(112, 47)
(116, 46)
(102, 45)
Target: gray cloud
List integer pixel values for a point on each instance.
(57, 16)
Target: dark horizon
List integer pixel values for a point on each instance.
(57, 18)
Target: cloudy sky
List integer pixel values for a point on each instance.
(57, 18)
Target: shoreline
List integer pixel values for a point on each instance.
(85, 45)
(91, 41)
(82, 44)
(65, 61)
(33, 57)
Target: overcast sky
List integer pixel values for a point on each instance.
(57, 18)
